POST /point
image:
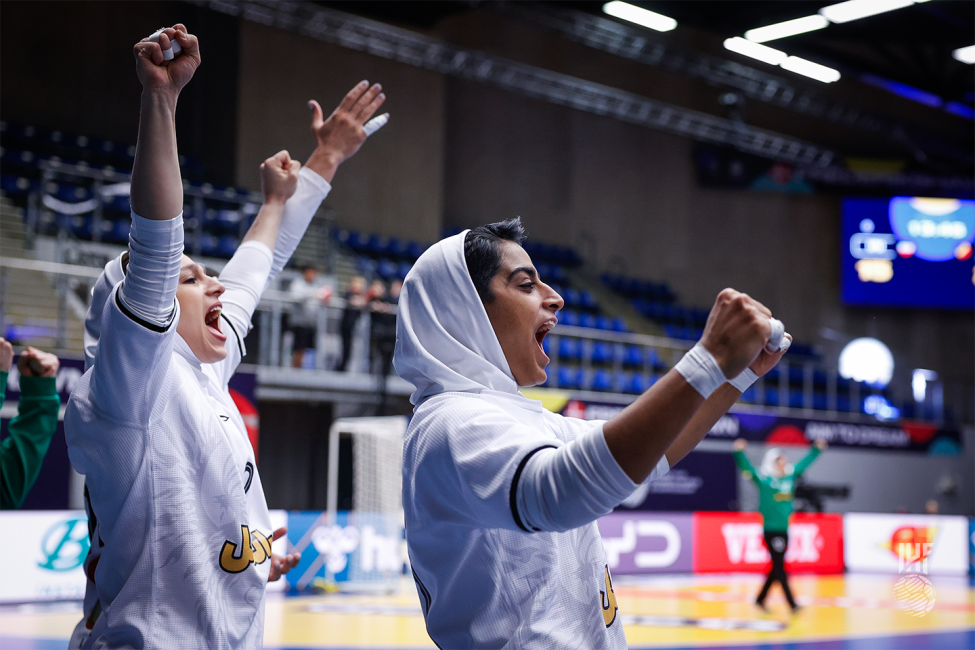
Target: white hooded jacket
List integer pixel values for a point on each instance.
(500, 495)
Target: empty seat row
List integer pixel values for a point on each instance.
(603, 352)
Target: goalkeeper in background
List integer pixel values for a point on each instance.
(776, 482)
(22, 453)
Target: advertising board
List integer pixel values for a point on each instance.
(648, 542)
(928, 544)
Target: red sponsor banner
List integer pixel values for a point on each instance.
(733, 542)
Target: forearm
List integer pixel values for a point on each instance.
(265, 227)
(298, 213)
(710, 412)
(640, 435)
(30, 436)
(324, 162)
(157, 189)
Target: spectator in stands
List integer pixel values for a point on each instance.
(355, 302)
(22, 453)
(309, 292)
(383, 327)
(931, 507)
(776, 481)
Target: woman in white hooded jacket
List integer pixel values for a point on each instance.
(181, 534)
(500, 495)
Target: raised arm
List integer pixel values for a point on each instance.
(157, 189)
(737, 330)
(741, 460)
(808, 459)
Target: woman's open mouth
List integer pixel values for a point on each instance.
(212, 321)
(540, 333)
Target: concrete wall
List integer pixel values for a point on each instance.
(394, 184)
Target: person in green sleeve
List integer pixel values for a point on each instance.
(22, 453)
(776, 482)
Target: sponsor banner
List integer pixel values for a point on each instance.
(51, 547)
(648, 542)
(359, 547)
(775, 429)
(730, 542)
(700, 481)
(926, 544)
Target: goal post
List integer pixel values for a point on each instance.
(374, 525)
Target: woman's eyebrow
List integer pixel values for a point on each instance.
(523, 269)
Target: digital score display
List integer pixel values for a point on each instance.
(908, 252)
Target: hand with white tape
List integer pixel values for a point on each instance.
(172, 51)
(343, 132)
(159, 73)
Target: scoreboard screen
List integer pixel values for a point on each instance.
(908, 252)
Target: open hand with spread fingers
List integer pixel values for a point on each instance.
(341, 134)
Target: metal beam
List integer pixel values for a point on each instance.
(408, 47)
(631, 43)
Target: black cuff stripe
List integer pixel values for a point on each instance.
(240, 344)
(146, 324)
(514, 485)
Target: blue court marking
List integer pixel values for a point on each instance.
(961, 640)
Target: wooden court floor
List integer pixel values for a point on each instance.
(849, 612)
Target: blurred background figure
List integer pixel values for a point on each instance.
(776, 481)
(382, 334)
(22, 454)
(309, 292)
(355, 301)
(931, 507)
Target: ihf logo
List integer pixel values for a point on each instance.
(914, 591)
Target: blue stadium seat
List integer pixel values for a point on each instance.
(387, 269)
(603, 323)
(601, 352)
(404, 268)
(414, 250)
(226, 246)
(618, 325)
(568, 317)
(771, 396)
(602, 381)
(633, 356)
(587, 320)
(569, 377)
(570, 348)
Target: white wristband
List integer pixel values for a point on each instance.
(744, 381)
(701, 371)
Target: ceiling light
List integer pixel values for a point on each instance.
(844, 12)
(788, 28)
(810, 69)
(640, 16)
(964, 54)
(755, 51)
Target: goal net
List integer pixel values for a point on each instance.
(373, 529)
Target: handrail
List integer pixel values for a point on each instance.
(50, 267)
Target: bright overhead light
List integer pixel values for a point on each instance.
(788, 28)
(755, 51)
(810, 69)
(965, 54)
(844, 12)
(639, 15)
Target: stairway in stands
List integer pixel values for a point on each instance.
(30, 302)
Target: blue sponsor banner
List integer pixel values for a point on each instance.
(357, 547)
(700, 481)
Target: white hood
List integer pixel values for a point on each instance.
(444, 339)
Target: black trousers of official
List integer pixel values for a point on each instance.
(777, 544)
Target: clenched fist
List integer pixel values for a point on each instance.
(155, 73)
(736, 331)
(35, 363)
(279, 177)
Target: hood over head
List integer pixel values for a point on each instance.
(444, 338)
(768, 463)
